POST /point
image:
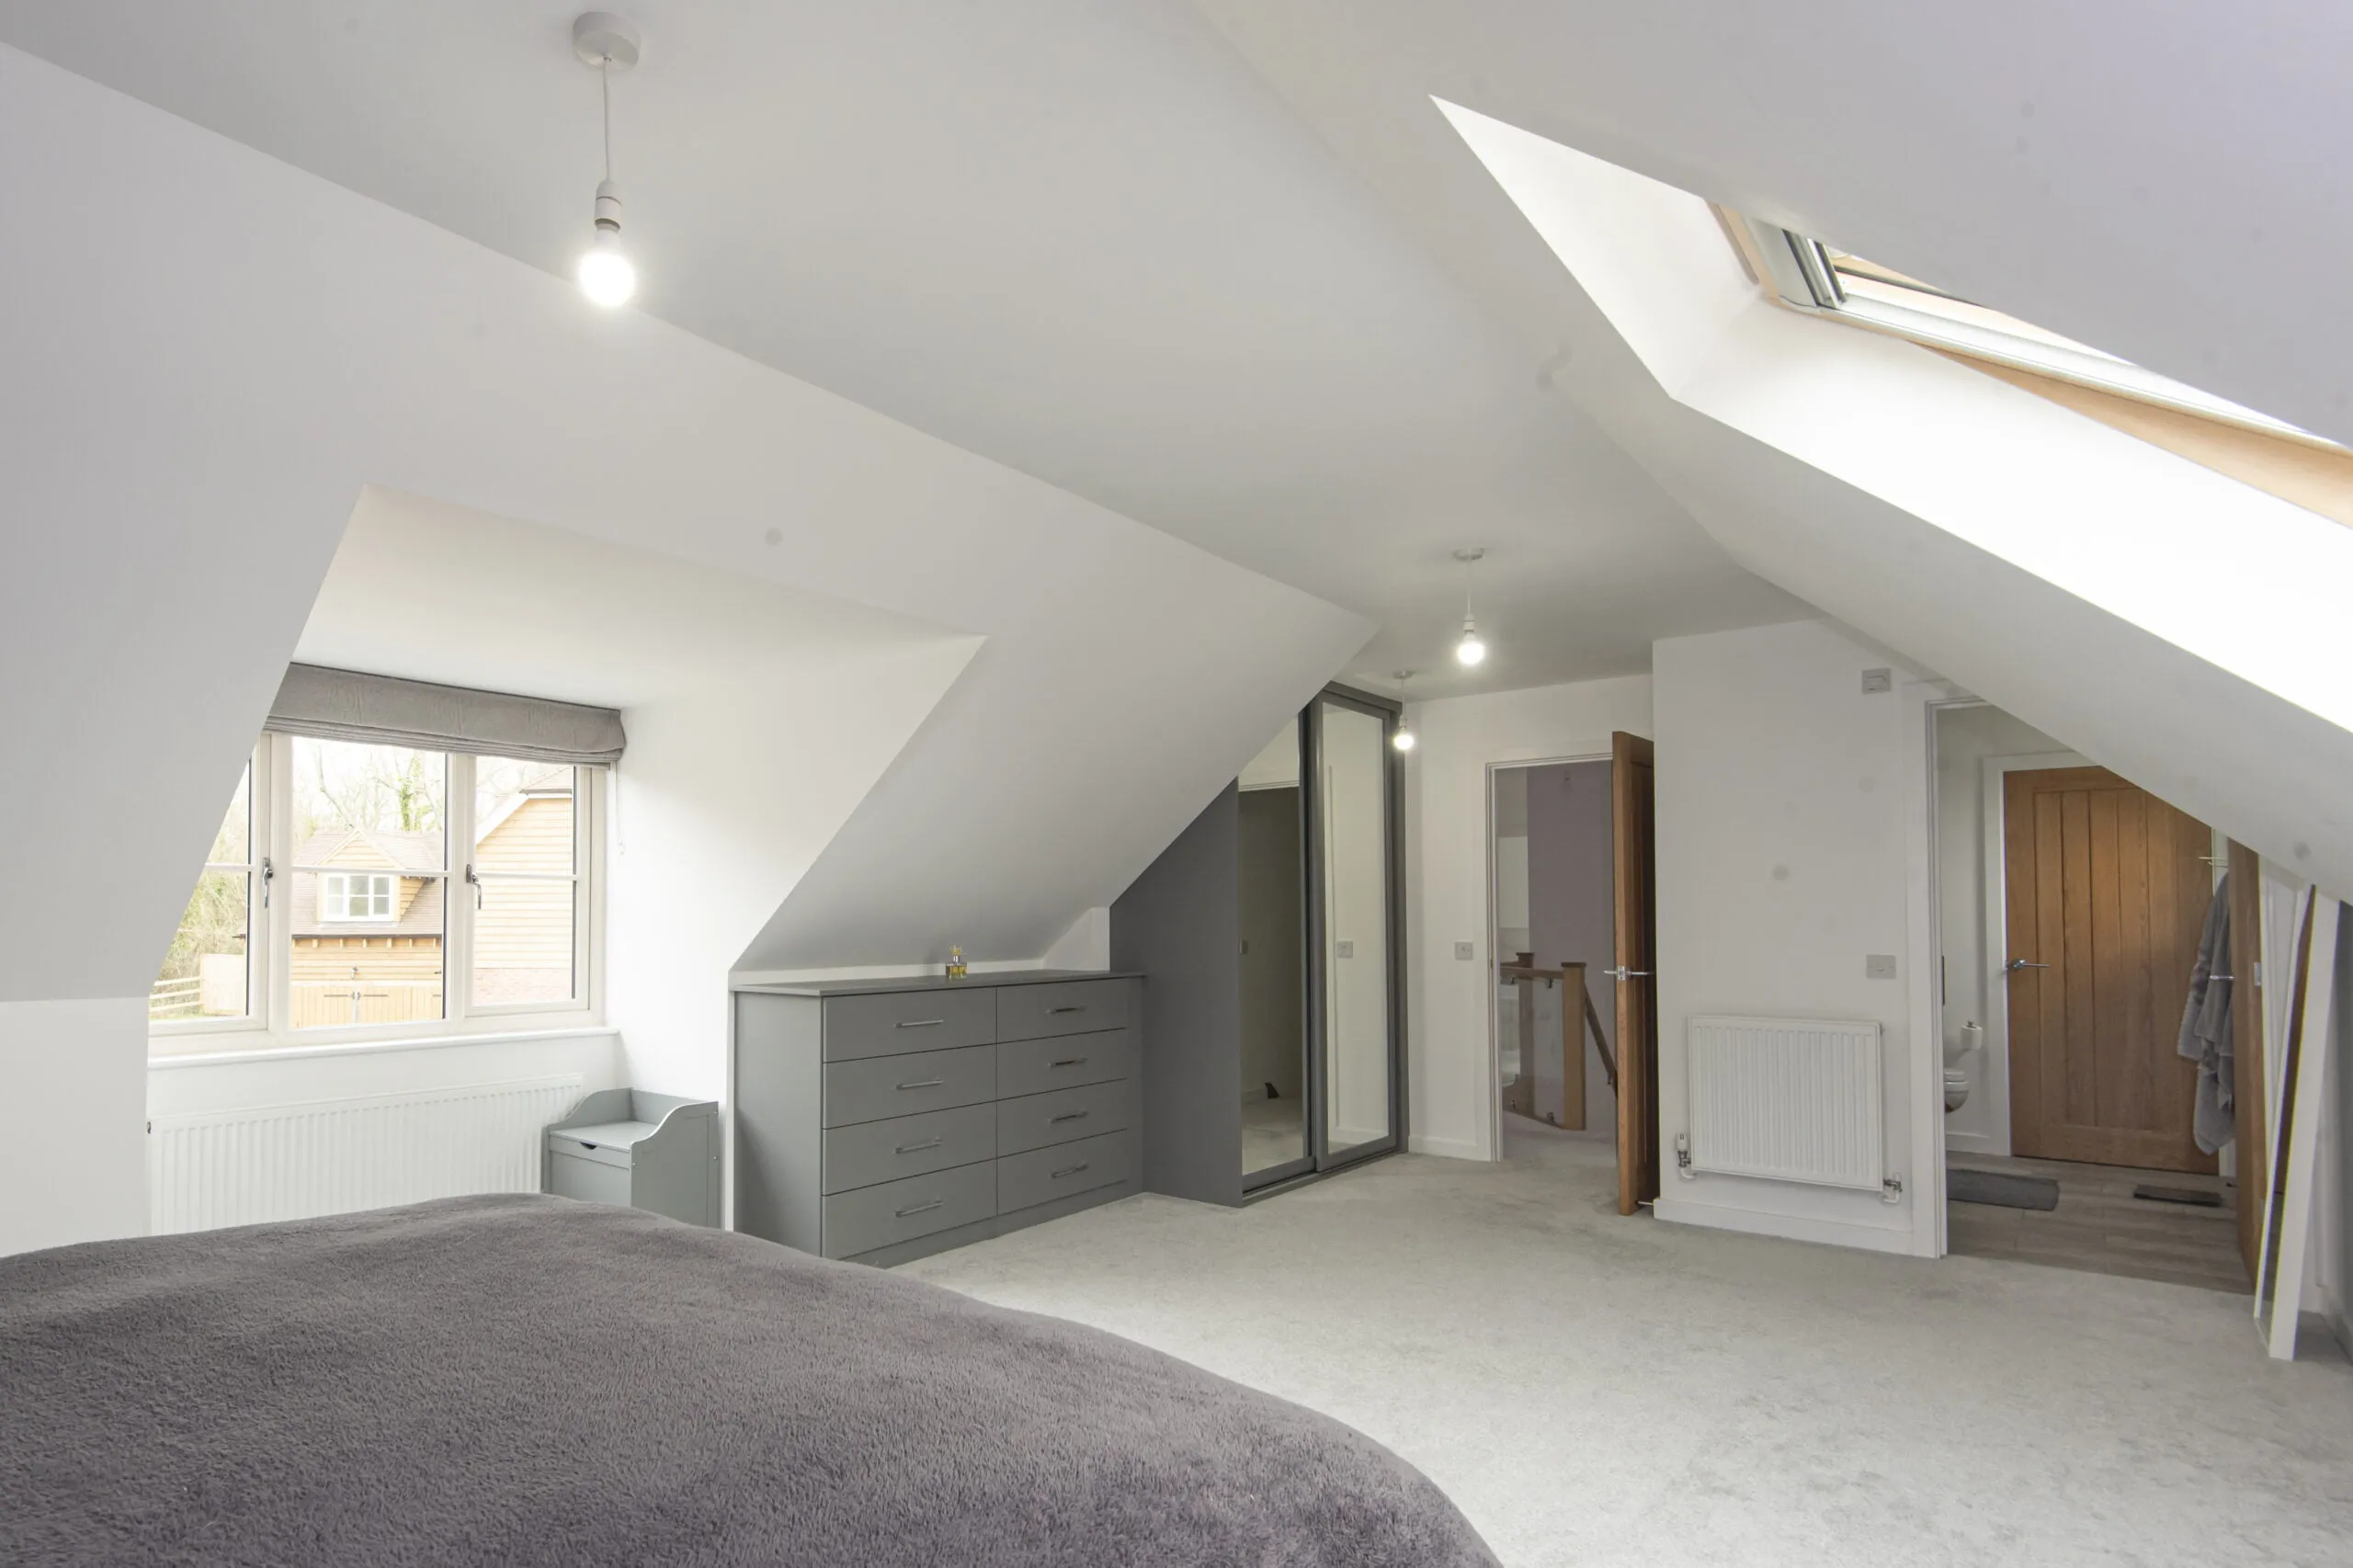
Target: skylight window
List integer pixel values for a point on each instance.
(1809, 274)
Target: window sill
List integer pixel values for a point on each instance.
(233, 1052)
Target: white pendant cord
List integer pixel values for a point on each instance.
(605, 90)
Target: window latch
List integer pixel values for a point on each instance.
(269, 874)
(477, 884)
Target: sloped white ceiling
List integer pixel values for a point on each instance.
(226, 350)
(2167, 183)
(1084, 240)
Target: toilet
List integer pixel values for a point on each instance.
(1959, 1045)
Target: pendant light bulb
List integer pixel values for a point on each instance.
(606, 43)
(1403, 738)
(607, 275)
(1471, 652)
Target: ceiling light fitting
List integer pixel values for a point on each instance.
(606, 43)
(1470, 651)
(1403, 737)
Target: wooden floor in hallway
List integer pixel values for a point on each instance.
(2100, 1228)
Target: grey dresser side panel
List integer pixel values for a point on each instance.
(1180, 923)
(778, 1099)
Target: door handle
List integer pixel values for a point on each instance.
(1622, 972)
(2016, 964)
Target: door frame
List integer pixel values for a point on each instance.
(1488, 1011)
(1919, 701)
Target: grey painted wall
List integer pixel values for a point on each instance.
(1570, 906)
(1180, 924)
(1274, 995)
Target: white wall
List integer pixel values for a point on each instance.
(1966, 738)
(1781, 864)
(73, 1167)
(726, 797)
(1450, 1054)
(178, 438)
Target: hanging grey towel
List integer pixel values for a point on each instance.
(2206, 1023)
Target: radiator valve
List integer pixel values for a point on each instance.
(1683, 1157)
(1891, 1189)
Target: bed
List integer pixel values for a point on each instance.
(526, 1380)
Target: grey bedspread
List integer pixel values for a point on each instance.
(531, 1380)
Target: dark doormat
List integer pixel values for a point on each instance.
(2192, 1196)
(1964, 1186)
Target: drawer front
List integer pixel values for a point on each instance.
(900, 1210)
(1035, 1120)
(1064, 1168)
(907, 1020)
(591, 1182)
(908, 1086)
(1068, 1007)
(1036, 1066)
(908, 1145)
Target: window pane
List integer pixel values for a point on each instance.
(204, 973)
(370, 953)
(366, 806)
(523, 815)
(523, 941)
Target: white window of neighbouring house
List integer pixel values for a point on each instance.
(360, 890)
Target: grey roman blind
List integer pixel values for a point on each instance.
(344, 705)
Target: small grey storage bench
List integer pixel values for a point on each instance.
(881, 1120)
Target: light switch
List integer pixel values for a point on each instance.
(1464, 950)
(1346, 948)
(1879, 966)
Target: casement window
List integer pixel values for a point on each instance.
(352, 895)
(1808, 275)
(361, 888)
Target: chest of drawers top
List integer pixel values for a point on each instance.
(895, 1017)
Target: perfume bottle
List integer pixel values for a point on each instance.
(956, 970)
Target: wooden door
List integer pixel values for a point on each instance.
(2106, 890)
(2249, 1089)
(1634, 854)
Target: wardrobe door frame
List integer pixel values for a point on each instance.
(1388, 712)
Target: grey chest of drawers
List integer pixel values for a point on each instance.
(881, 1120)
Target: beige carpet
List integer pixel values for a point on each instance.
(1593, 1389)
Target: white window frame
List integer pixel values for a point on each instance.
(1798, 273)
(269, 923)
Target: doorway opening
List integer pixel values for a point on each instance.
(1571, 933)
(2073, 919)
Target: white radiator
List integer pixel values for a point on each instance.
(292, 1161)
(1790, 1099)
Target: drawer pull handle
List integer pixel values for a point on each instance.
(916, 1208)
(1069, 1062)
(1072, 1116)
(918, 1148)
(1070, 1170)
(923, 1023)
(1073, 1007)
(924, 1083)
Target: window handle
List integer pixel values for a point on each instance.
(269, 874)
(477, 882)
